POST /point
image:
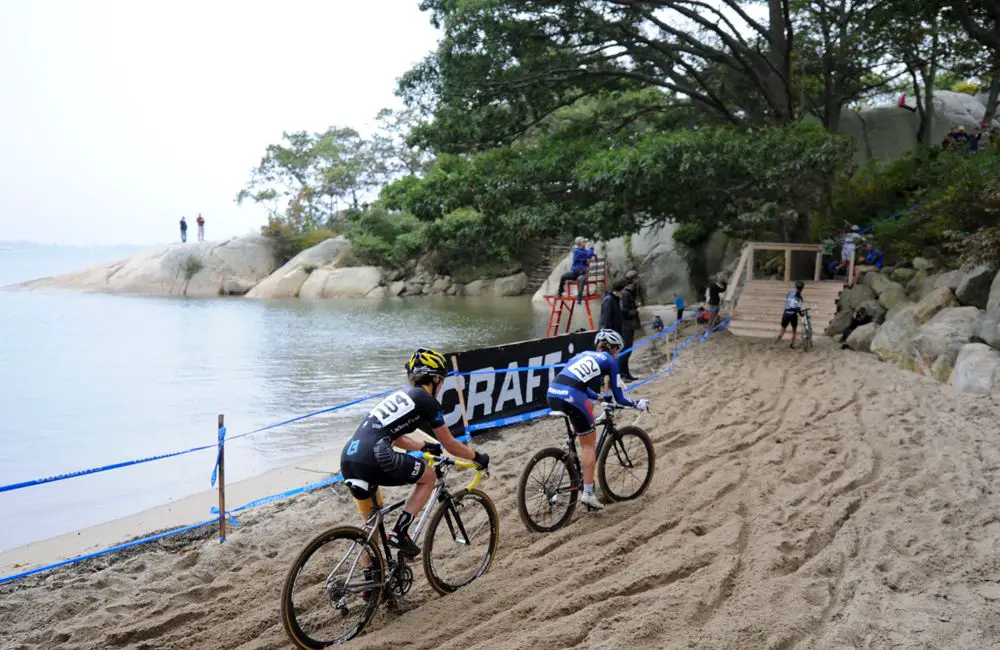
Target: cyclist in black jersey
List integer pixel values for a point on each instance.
(370, 460)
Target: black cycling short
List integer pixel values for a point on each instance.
(578, 418)
(790, 319)
(375, 461)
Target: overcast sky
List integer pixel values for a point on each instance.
(117, 117)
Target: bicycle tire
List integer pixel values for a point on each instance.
(562, 458)
(602, 462)
(472, 496)
(288, 614)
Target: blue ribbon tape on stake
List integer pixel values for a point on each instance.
(218, 458)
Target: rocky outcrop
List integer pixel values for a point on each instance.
(348, 282)
(939, 340)
(512, 285)
(288, 280)
(201, 269)
(977, 370)
(889, 132)
(851, 299)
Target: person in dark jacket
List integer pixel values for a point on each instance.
(630, 321)
(715, 290)
(611, 309)
(578, 269)
(859, 318)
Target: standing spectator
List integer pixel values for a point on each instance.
(630, 321)
(793, 307)
(848, 248)
(611, 308)
(578, 269)
(201, 228)
(184, 230)
(679, 306)
(715, 290)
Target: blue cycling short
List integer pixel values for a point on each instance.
(574, 403)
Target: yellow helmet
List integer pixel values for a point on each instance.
(427, 362)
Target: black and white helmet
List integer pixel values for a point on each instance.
(610, 338)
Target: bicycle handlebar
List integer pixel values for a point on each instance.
(460, 463)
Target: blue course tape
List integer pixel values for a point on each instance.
(120, 547)
(95, 470)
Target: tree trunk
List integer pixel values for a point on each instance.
(921, 113)
(779, 81)
(930, 76)
(991, 102)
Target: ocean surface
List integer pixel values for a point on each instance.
(90, 380)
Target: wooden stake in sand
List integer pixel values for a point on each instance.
(460, 381)
(222, 481)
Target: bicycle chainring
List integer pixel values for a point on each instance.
(402, 580)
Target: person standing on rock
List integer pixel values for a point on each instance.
(201, 228)
(630, 321)
(184, 230)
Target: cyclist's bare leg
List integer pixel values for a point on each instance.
(781, 335)
(364, 506)
(588, 455)
(421, 492)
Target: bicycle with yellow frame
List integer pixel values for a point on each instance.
(341, 576)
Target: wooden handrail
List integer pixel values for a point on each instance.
(734, 280)
(776, 246)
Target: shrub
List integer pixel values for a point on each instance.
(289, 242)
(385, 238)
(191, 267)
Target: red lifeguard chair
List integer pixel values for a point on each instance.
(593, 289)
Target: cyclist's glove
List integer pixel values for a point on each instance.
(642, 405)
(482, 460)
(432, 448)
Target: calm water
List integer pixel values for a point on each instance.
(87, 380)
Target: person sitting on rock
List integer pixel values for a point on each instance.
(874, 260)
(578, 268)
(860, 317)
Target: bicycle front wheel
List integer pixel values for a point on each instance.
(463, 548)
(547, 491)
(626, 463)
(332, 589)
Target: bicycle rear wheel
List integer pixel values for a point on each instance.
(626, 463)
(547, 491)
(463, 548)
(329, 595)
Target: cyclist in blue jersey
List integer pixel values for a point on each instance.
(573, 389)
(793, 307)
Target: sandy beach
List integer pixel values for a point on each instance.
(819, 500)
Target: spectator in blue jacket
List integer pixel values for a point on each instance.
(578, 269)
(874, 259)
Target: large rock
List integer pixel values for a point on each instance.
(512, 285)
(838, 323)
(878, 282)
(349, 282)
(989, 329)
(889, 132)
(875, 310)
(902, 275)
(861, 338)
(851, 299)
(478, 288)
(440, 285)
(230, 267)
(993, 303)
(974, 290)
(923, 264)
(893, 336)
(948, 279)
(934, 302)
(943, 336)
(892, 296)
(288, 280)
(977, 370)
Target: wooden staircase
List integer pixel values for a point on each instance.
(758, 311)
(552, 251)
(755, 306)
